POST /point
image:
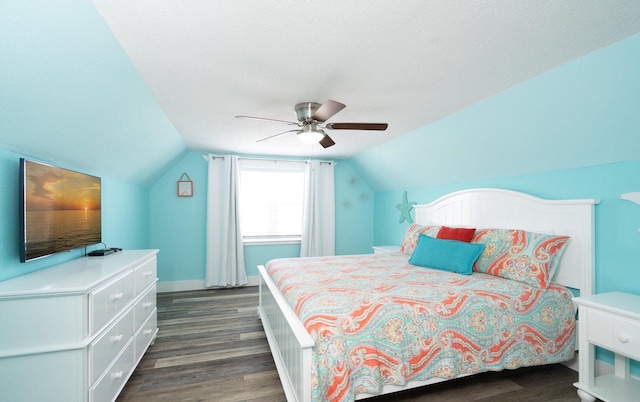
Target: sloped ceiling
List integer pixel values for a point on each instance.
(584, 113)
(70, 96)
(123, 88)
(408, 63)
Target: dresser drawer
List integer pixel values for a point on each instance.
(616, 333)
(109, 385)
(145, 275)
(109, 300)
(144, 306)
(146, 335)
(106, 347)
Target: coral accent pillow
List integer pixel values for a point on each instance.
(460, 234)
(446, 255)
(411, 237)
(527, 257)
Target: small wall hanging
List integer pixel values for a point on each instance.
(405, 208)
(185, 187)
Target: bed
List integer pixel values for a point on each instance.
(404, 352)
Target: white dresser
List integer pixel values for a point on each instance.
(611, 321)
(75, 331)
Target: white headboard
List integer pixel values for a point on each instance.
(505, 209)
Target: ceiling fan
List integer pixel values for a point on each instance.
(311, 123)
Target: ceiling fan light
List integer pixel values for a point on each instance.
(311, 136)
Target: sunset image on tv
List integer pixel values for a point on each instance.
(61, 210)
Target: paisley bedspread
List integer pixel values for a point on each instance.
(377, 320)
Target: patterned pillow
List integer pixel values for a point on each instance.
(527, 257)
(411, 237)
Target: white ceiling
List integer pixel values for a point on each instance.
(407, 63)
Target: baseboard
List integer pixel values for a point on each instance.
(604, 368)
(573, 363)
(196, 284)
(179, 286)
(601, 367)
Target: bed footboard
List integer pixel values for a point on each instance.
(290, 344)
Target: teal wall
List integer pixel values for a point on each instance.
(583, 113)
(70, 95)
(354, 211)
(178, 224)
(125, 218)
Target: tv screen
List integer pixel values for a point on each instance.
(60, 210)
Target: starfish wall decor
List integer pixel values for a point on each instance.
(405, 208)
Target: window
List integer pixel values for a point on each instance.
(271, 200)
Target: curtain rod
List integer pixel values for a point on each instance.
(206, 158)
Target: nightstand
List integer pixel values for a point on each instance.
(610, 321)
(385, 249)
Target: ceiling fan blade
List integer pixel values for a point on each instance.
(275, 135)
(357, 126)
(327, 110)
(293, 123)
(326, 142)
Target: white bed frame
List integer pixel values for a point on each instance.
(292, 346)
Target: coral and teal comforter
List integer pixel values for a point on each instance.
(377, 320)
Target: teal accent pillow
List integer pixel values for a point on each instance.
(446, 255)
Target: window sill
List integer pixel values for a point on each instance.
(270, 242)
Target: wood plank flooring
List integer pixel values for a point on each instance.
(211, 347)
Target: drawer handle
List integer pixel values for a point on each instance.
(117, 338)
(623, 338)
(117, 296)
(147, 332)
(147, 304)
(148, 273)
(116, 375)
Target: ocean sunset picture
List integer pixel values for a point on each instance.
(61, 210)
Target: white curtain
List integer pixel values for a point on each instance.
(318, 224)
(225, 253)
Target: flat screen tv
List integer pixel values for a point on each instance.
(59, 208)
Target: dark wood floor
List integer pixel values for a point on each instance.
(211, 347)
